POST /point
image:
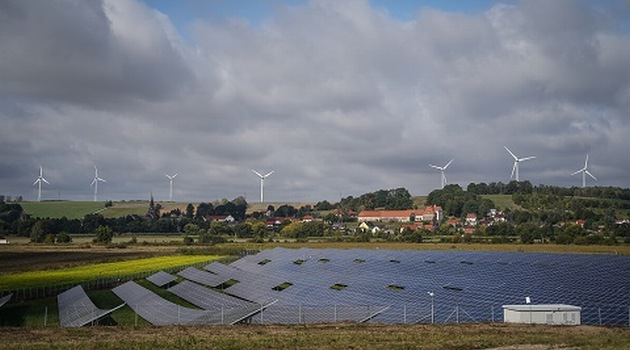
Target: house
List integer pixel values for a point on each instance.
(226, 218)
(580, 222)
(471, 219)
(410, 215)
(453, 222)
(307, 218)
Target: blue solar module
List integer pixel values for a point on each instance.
(466, 286)
(77, 310)
(161, 278)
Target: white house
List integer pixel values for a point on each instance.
(552, 314)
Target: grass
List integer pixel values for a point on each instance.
(326, 336)
(502, 201)
(79, 274)
(71, 210)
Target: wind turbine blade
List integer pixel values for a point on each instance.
(102, 180)
(591, 175)
(586, 162)
(257, 173)
(510, 152)
(36, 181)
(45, 181)
(93, 182)
(513, 170)
(579, 171)
(41, 171)
(447, 164)
(526, 158)
(271, 172)
(165, 174)
(174, 175)
(435, 167)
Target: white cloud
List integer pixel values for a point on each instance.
(337, 97)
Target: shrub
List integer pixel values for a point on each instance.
(103, 234)
(64, 237)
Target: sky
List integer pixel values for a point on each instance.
(338, 98)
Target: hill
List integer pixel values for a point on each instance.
(59, 209)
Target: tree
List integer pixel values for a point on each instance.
(103, 234)
(528, 232)
(38, 232)
(190, 211)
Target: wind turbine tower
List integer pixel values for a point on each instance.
(585, 172)
(39, 180)
(262, 183)
(95, 182)
(170, 192)
(517, 160)
(441, 169)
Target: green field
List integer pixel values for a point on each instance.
(71, 210)
(502, 201)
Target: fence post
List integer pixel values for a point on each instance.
(457, 313)
(222, 320)
(136, 317)
(262, 321)
(335, 312)
(404, 313)
(599, 312)
(299, 313)
(45, 316)
(492, 308)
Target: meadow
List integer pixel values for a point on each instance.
(321, 336)
(59, 209)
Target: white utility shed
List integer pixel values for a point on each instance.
(557, 314)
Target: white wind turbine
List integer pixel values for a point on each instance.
(441, 169)
(95, 182)
(39, 180)
(585, 172)
(516, 161)
(262, 183)
(170, 192)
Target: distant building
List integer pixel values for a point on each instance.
(410, 215)
(552, 314)
(471, 219)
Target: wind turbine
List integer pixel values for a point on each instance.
(516, 161)
(170, 193)
(39, 180)
(585, 172)
(262, 183)
(95, 182)
(441, 169)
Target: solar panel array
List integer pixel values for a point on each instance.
(159, 311)
(161, 278)
(467, 286)
(77, 310)
(332, 285)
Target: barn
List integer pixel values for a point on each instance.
(555, 314)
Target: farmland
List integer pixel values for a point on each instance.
(79, 274)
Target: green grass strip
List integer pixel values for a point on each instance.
(79, 274)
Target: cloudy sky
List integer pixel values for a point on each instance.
(338, 97)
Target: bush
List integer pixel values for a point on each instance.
(64, 238)
(188, 240)
(103, 234)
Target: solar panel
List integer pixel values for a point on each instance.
(203, 277)
(161, 278)
(159, 311)
(472, 285)
(5, 299)
(77, 310)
